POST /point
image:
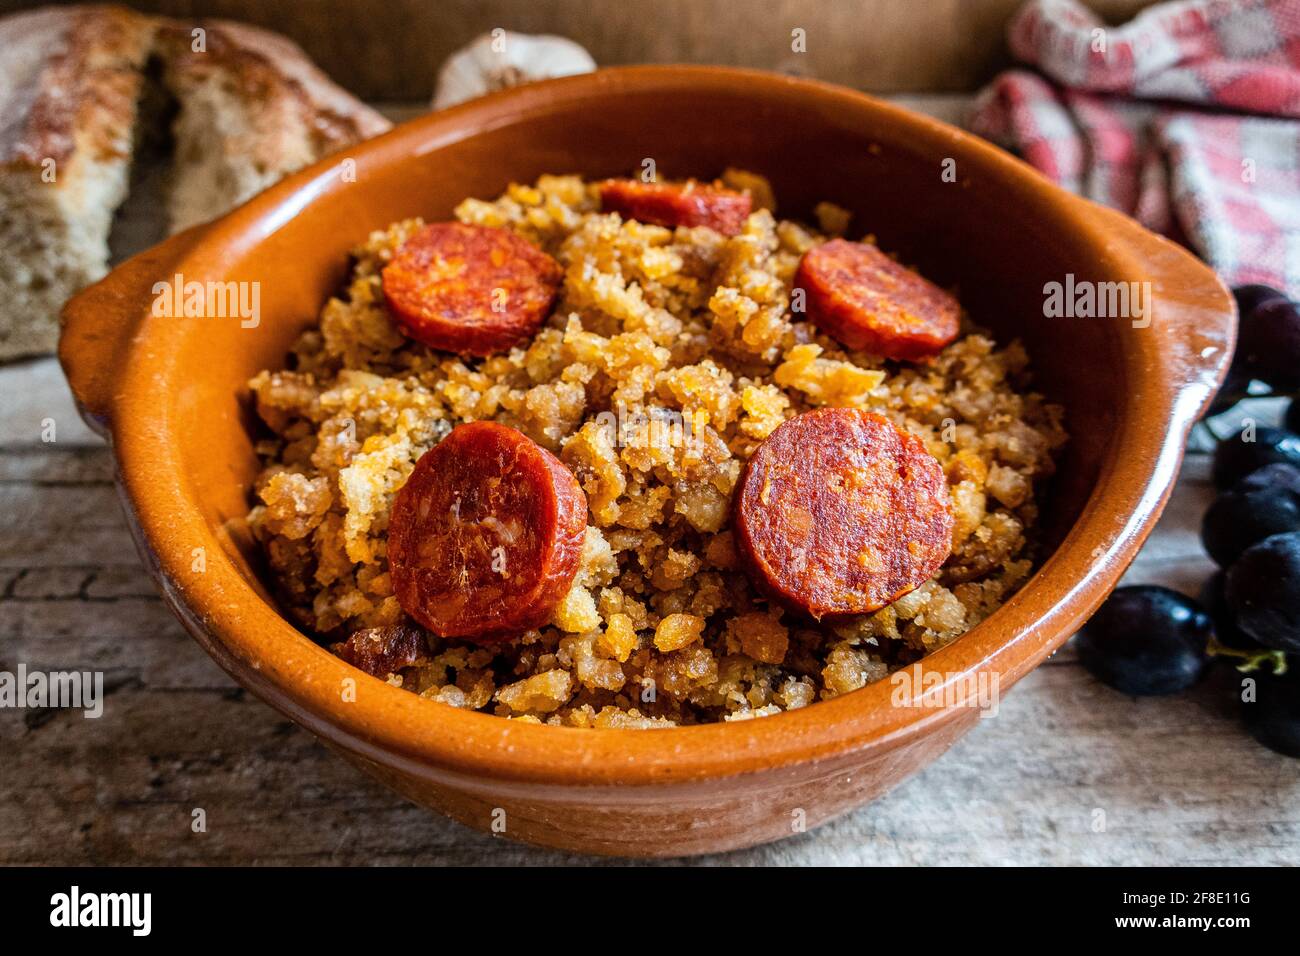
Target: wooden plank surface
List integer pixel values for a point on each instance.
(1177, 779)
(1171, 781)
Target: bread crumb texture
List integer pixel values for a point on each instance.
(670, 356)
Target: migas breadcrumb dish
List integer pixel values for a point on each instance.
(640, 343)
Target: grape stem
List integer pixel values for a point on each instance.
(1250, 660)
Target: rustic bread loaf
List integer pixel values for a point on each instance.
(250, 108)
(253, 108)
(70, 80)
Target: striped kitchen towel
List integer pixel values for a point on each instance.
(1187, 118)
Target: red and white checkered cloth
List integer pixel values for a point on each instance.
(1114, 123)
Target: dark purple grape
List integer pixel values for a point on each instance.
(1268, 344)
(1245, 515)
(1263, 591)
(1146, 640)
(1250, 296)
(1278, 475)
(1273, 717)
(1236, 457)
(1226, 630)
(1236, 384)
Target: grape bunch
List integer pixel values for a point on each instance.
(1151, 640)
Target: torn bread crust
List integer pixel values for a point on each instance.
(253, 108)
(71, 82)
(71, 78)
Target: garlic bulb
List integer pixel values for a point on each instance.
(502, 59)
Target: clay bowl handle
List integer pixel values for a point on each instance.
(100, 322)
(1193, 320)
(1174, 365)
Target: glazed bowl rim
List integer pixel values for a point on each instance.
(251, 639)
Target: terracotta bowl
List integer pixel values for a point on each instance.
(170, 394)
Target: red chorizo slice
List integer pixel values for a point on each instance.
(840, 512)
(677, 204)
(861, 297)
(485, 535)
(472, 290)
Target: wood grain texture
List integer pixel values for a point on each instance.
(1173, 781)
(1068, 772)
(391, 49)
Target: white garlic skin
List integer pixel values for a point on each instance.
(502, 59)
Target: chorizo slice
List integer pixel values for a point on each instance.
(840, 512)
(864, 299)
(677, 204)
(486, 535)
(472, 290)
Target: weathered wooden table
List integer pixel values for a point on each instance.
(1068, 772)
